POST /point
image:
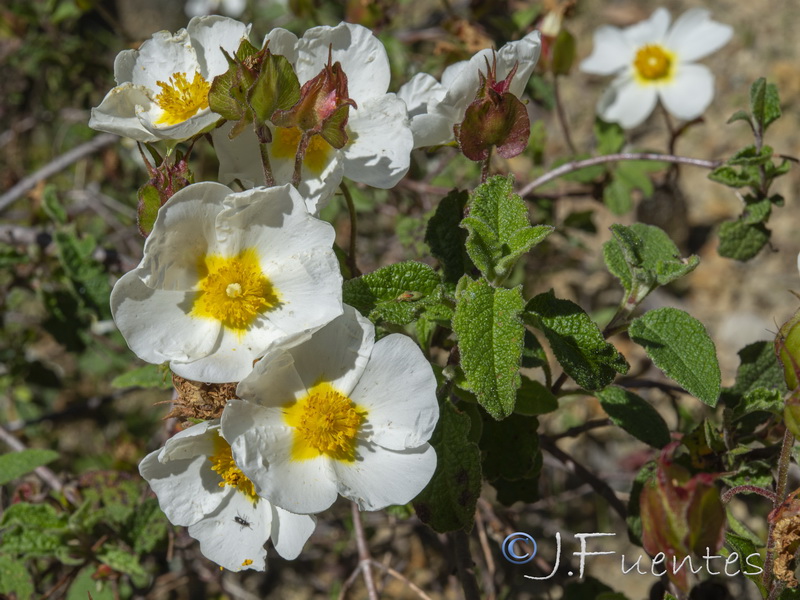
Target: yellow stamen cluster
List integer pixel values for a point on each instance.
(222, 464)
(286, 140)
(653, 63)
(181, 99)
(325, 422)
(234, 290)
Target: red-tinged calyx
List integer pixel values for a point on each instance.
(165, 180)
(323, 107)
(495, 118)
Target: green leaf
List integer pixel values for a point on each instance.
(764, 103)
(617, 197)
(52, 206)
(499, 228)
(757, 211)
(741, 241)
(84, 582)
(525, 490)
(736, 178)
(448, 502)
(120, 560)
(87, 276)
(16, 464)
(643, 257)
(534, 399)
(490, 337)
(679, 345)
(753, 472)
(740, 115)
(14, 578)
(576, 341)
(33, 530)
(634, 518)
(396, 293)
(758, 370)
(447, 239)
(610, 137)
(635, 415)
(147, 376)
(750, 560)
(750, 156)
(509, 447)
(148, 526)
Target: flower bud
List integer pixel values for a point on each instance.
(495, 118)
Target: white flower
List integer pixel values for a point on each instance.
(230, 8)
(380, 141)
(224, 277)
(652, 61)
(200, 487)
(436, 107)
(162, 88)
(338, 414)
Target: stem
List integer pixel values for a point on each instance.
(485, 167)
(269, 179)
(562, 117)
(728, 496)
(351, 251)
(576, 165)
(400, 577)
(363, 554)
(600, 486)
(780, 496)
(55, 166)
(298, 159)
(465, 565)
(579, 429)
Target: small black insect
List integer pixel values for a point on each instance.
(242, 522)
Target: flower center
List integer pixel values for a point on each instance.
(181, 99)
(286, 140)
(652, 63)
(222, 464)
(234, 290)
(325, 422)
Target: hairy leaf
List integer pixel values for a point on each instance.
(635, 415)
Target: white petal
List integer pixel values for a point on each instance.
(524, 53)
(694, 35)
(649, 31)
(124, 65)
(182, 479)
(611, 52)
(231, 543)
(117, 113)
(239, 158)
(419, 92)
(361, 54)
(183, 233)
(380, 151)
(162, 56)
(398, 389)
(208, 35)
(273, 382)
(283, 43)
(200, 122)
(290, 532)
(275, 220)
(379, 478)
(626, 102)
(264, 453)
(336, 354)
(156, 323)
(690, 92)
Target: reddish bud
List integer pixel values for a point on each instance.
(495, 118)
(682, 514)
(323, 107)
(165, 181)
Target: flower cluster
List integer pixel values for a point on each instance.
(243, 288)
